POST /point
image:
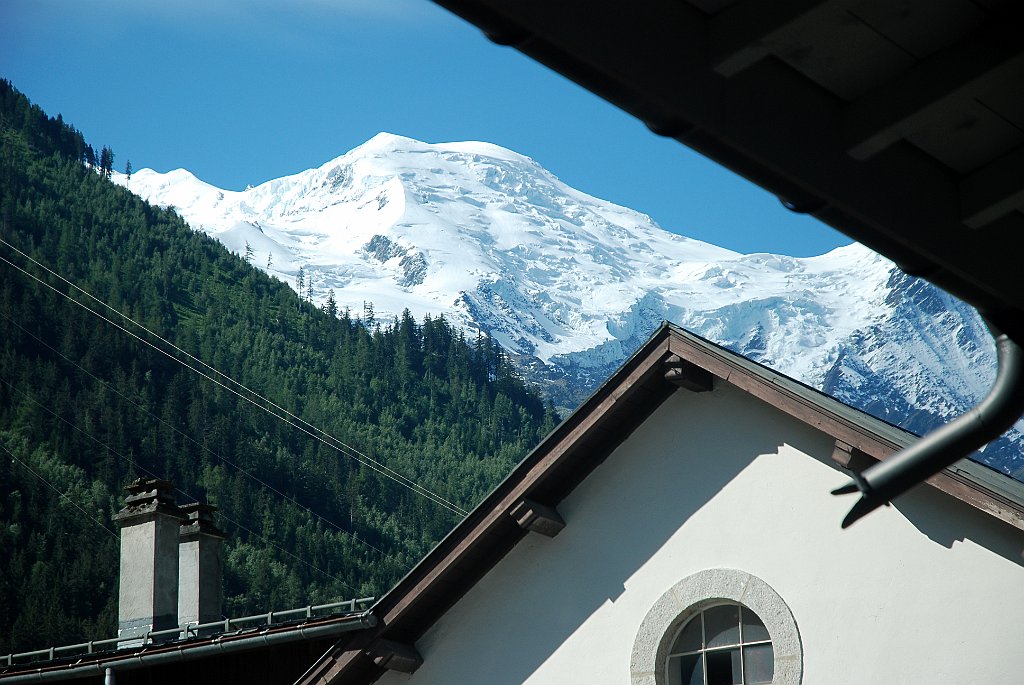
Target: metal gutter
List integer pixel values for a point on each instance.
(182, 652)
(993, 416)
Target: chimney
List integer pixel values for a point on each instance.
(148, 592)
(200, 566)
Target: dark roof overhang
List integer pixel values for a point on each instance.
(899, 124)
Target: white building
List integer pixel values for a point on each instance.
(694, 485)
(676, 529)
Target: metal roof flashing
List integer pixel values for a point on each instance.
(234, 635)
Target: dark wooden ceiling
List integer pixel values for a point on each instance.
(898, 122)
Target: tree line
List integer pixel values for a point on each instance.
(85, 408)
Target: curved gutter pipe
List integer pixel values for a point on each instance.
(108, 667)
(991, 418)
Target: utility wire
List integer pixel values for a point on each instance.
(188, 437)
(342, 447)
(148, 472)
(338, 445)
(54, 488)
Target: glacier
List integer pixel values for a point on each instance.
(570, 285)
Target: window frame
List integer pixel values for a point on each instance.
(703, 590)
(704, 650)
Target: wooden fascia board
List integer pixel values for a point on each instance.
(979, 498)
(791, 403)
(495, 513)
(445, 567)
(444, 570)
(857, 436)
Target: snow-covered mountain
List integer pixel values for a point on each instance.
(571, 284)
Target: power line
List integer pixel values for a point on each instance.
(54, 488)
(150, 473)
(336, 444)
(199, 444)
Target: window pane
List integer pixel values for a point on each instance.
(689, 639)
(753, 627)
(722, 625)
(691, 669)
(758, 664)
(724, 667)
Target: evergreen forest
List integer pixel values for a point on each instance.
(86, 405)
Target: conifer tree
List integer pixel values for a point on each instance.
(331, 305)
(106, 161)
(120, 410)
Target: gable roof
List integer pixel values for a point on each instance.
(899, 124)
(673, 358)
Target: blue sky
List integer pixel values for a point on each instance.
(242, 92)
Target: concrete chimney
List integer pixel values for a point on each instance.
(200, 566)
(148, 588)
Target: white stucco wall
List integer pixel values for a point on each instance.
(926, 591)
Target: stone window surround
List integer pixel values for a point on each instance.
(705, 588)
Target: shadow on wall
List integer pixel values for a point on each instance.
(617, 519)
(947, 521)
(547, 593)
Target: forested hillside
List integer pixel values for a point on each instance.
(85, 407)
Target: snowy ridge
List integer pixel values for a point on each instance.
(571, 284)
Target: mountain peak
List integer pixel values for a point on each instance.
(385, 141)
(572, 283)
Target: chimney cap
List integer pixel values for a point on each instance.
(142, 484)
(199, 520)
(147, 497)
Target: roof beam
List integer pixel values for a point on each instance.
(394, 656)
(993, 191)
(740, 35)
(891, 113)
(851, 458)
(687, 375)
(537, 517)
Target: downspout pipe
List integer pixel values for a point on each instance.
(1000, 409)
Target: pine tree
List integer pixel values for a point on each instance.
(398, 392)
(106, 161)
(248, 253)
(270, 259)
(128, 170)
(331, 305)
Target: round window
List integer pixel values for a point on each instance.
(726, 644)
(718, 626)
